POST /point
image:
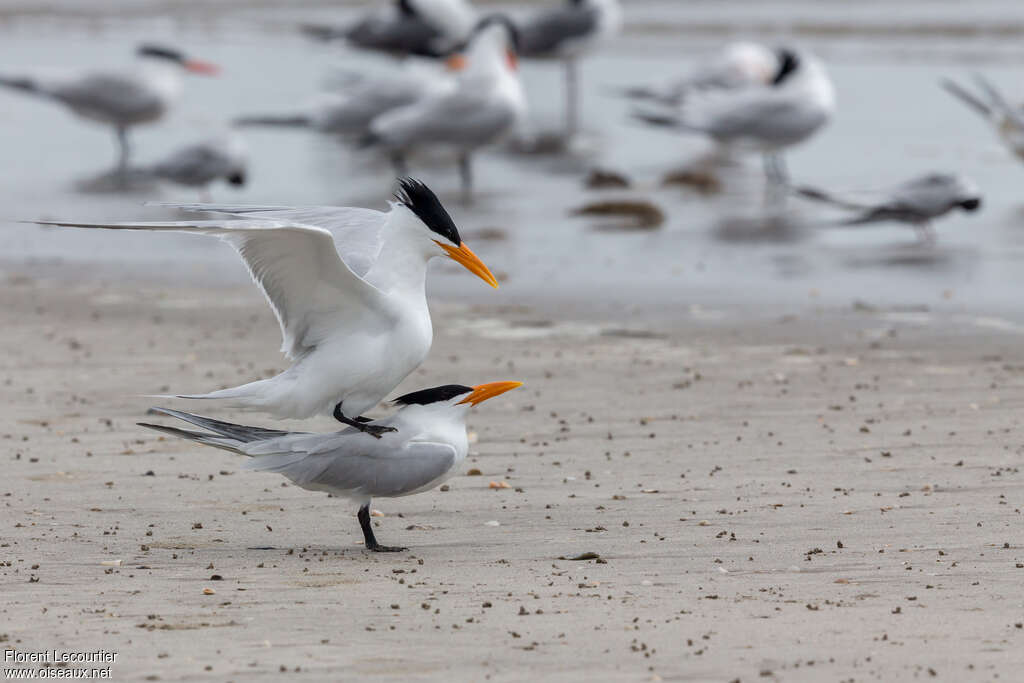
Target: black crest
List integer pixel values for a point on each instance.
(788, 62)
(161, 52)
(425, 204)
(433, 395)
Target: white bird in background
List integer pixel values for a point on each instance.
(352, 305)
(768, 119)
(1007, 120)
(737, 65)
(485, 106)
(423, 28)
(569, 32)
(916, 202)
(200, 164)
(424, 446)
(121, 99)
(361, 98)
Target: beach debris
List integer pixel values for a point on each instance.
(492, 522)
(701, 181)
(209, 591)
(636, 214)
(474, 472)
(601, 178)
(589, 555)
(110, 563)
(499, 485)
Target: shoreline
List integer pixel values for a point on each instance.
(785, 501)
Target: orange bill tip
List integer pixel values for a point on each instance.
(482, 392)
(470, 261)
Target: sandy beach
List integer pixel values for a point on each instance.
(827, 496)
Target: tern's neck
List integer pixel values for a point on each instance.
(162, 74)
(401, 266)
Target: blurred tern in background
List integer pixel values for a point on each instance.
(424, 28)
(348, 289)
(202, 163)
(737, 65)
(121, 99)
(569, 32)
(486, 104)
(1007, 120)
(798, 101)
(362, 98)
(425, 444)
(916, 202)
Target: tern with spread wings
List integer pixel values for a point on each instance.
(348, 288)
(424, 444)
(121, 99)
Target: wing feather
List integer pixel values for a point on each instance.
(309, 287)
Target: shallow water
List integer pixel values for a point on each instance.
(718, 250)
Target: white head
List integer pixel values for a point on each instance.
(421, 228)
(751, 62)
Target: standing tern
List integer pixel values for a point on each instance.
(426, 445)
(737, 65)
(1006, 119)
(485, 105)
(916, 202)
(202, 163)
(769, 119)
(121, 99)
(569, 32)
(424, 28)
(352, 305)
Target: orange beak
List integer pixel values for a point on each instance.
(456, 62)
(513, 60)
(199, 67)
(482, 392)
(469, 261)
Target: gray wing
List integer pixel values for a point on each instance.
(402, 34)
(357, 233)
(753, 112)
(311, 290)
(463, 116)
(120, 96)
(354, 463)
(546, 32)
(930, 195)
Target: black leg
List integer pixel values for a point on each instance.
(360, 423)
(368, 538)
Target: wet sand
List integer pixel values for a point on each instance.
(831, 496)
